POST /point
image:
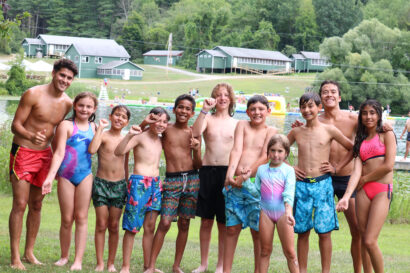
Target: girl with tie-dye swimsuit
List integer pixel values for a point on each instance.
(72, 164)
(276, 184)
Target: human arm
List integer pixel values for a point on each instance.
(388, 162)
(61, 136)
(289, 195)
(27, 102)
(201, 121)
(405, 129)
(343, 203)
(149, 119)
(126, 168)
(235, 154)
(196, 152)
(98, 136)
(300, 174)
(129, 141)
(340, 137)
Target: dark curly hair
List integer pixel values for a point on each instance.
(362, 133)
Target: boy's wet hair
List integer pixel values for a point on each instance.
(329, 82)
(65, 63)
(123, 107)
(185, 97)
(231, 94)
(258, 98)
(85, 95)
(361, 133)
(310, 96)
(160, 111)
(283, 140)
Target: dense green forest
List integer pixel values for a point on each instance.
(367, 41)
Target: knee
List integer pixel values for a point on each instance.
(81, 218)
(231, 231)
(355, 233)
(164, 226)
(183, 225)
(290, 254)
(67, 222)
(207, 224)
(113, 227)
(369, 243)
(149, 228)
(266, 250)
(35, 206)
(19, 206)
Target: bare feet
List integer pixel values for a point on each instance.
(111, 268)
(31, 259)
(76, 266)
(158, 271)
(177, 270)
(18, 265)
(125, 270)
(61, 262)
(219, 269)
(201, 268)
(99, 267)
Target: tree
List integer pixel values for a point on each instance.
(335, 17)
(133, 34)
(306, 31)
(390, 13)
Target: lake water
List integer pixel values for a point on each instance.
(283, 123)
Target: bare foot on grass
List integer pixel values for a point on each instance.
(177, 270)
(158, 271)
(31, 259)
(125, 270)
(99, 268)
(111, 268)
(18, 265)
(201, 268)
(76, 267)
(61, 262)
(219, 269)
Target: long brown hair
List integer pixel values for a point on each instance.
(85, 95)
(232, 104)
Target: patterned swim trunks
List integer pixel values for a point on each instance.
(242, 205)
(110, 194)
(180, 195)
(143, 195)
(315, 193)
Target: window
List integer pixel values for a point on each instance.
(76, 58)
(98, 60)
(123, 59)
(85, 59)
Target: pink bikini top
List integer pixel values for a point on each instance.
(372, 148)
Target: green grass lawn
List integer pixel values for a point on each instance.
(393, 241)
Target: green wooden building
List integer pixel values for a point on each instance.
(308, 61)
(159, 57)
(33, 47)
(229, 59)
(103, 58)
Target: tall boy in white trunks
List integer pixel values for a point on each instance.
(241, 197)
(218, 132)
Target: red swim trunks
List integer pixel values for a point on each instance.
(30, 165)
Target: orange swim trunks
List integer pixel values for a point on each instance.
(30, 165)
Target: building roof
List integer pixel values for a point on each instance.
(253, 53)
(33, 41)
(104, 48)
(311, 55)
(115, 64)
(298, 56)
(214, 53)
(174, 53)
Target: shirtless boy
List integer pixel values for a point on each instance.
(144, 186)
(406, 129)
(181, 184)
(314, 189)
(40, 110)
(110, 186)
(241, 197)
(218, 131)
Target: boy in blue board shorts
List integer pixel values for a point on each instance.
(314, 191)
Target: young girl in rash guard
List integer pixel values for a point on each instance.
(374, 152)
(276, 183)
(72, 163)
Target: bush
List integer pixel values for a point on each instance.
(6, 138)
(16, 84)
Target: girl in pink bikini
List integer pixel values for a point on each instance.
(374, 152)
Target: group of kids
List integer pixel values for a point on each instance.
(243, 179)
